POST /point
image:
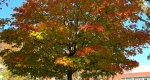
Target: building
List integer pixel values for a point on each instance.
(139, 73)
(137, 76)
(133, 76)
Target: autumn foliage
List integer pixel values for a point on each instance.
(65, 36)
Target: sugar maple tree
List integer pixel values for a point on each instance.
(61, 37)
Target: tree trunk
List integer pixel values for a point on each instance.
(69, 75)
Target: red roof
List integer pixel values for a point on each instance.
(140, 74)
(131, 75)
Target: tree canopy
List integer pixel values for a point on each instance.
(60, 37)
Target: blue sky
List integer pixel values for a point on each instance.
(7, 11)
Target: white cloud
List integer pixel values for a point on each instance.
(144, 68)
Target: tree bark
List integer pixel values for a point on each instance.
(69, 75)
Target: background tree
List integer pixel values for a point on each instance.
(7, 75)
(3, 2)
(146, 10)
(146, 7)
(3, 21)
(60, 37)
